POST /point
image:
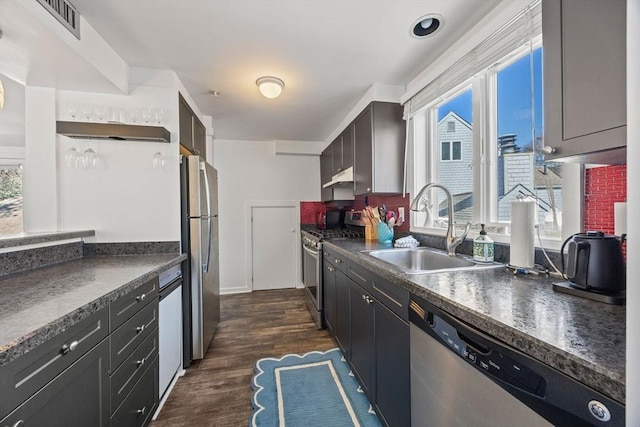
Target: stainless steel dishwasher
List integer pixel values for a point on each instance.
(463, 377)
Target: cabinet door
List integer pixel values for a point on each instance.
(362, 336)
(585, 79)
(186, 123)
(325, 173)
(336, 149)
(199, 138)
(363, 157)
(593, 65)
(342, 329)
(392, 368)
(329, 300)
(77, 397)
(347, 147)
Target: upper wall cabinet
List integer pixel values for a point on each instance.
(379, 140)
(192, 132)
(342, 149)
(585, 80)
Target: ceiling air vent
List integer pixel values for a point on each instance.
(64, 12)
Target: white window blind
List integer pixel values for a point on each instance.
(522, 29)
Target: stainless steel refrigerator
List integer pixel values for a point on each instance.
(199, 194)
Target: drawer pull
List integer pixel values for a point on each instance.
(141, 298)
(338, 261)
(367, 299)
(331, 269)
(326, 253)
(18, 423)
(139, 329)
(142, 411)
(67, 348)
(141, 362)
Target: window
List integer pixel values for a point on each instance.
(10, 199)
(451, 150)
(451, 126)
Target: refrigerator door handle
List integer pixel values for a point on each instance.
(205, 264)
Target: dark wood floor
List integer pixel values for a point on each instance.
(216, 391)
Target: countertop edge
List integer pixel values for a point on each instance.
(11, 242)
(18, 347)
(575, 367)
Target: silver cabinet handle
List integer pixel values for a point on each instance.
(67, 348)
(140, 298)
(142, 411)
(139, 329)
(326, 253)
(18, 423)
(367, 299)
(141, 362)
(338, 261)
(331, 269)
(368, 189)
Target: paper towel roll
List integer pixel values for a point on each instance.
(523, 219)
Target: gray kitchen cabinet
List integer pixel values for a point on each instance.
(337, 157)
(336, 298)
(192, 132)
(142, 401)
(78, 397)
(25, 376)
(585, 80)
(326, 169)
(379, 140)
(361, 320)
(392, 373)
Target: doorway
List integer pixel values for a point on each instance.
(274, 245)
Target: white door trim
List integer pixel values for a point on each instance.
(250, 204)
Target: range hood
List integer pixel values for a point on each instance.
(341, 178)
(115, 131)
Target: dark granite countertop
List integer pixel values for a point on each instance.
(37, 304)
(24, 239)
(581, 338)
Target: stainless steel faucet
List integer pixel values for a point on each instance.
(451, 240)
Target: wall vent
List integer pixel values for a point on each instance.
(64, 12)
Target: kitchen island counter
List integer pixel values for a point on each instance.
(583, 339)
(38, 304)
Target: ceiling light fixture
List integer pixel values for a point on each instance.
(426, 25)
(270, 87)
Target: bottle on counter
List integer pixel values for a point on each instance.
(483, 247)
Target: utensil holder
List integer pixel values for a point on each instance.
(370, 233)
(385, 233)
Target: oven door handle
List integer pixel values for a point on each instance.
(311, 252)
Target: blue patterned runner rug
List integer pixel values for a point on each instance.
(315, 389)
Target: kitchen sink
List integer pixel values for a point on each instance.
(427, 260)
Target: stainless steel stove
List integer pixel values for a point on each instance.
(312, 261)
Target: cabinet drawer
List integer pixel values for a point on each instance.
(75, 398)
(127, 305)
(128, 374)
(335, 259)
(24, 376)
(131, 334)
(139, 406)
(393, 297)
(360, 275)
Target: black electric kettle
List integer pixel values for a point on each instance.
(594, 262)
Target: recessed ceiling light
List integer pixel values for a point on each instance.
(426, 25)
(270, 87)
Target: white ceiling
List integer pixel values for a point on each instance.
(328, 52)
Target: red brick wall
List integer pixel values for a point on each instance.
(309, 212)
(603, 187)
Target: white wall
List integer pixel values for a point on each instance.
(633, 205)
(124, 199)
(250, 171)
(40, 204)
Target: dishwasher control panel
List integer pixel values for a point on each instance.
(483, 357)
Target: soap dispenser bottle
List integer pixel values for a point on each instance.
(483, 247)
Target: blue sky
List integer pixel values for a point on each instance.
(514, 100)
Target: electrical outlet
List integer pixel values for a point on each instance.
(401, 214)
